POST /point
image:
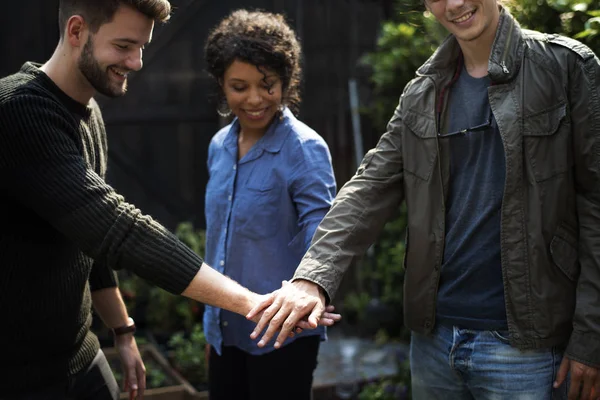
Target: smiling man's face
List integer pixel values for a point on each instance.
(467, 20)
(115, 50)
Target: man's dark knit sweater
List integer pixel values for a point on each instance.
(63, 231)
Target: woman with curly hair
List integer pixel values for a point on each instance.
(270, 183)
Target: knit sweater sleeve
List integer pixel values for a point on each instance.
(42, 168)
(102, 276)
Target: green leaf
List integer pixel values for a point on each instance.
(586, 33)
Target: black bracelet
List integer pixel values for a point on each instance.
(122, 330)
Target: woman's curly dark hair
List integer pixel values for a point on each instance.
(259, 38)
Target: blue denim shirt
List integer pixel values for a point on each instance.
(261, 214)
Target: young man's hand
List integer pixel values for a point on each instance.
(296, 306)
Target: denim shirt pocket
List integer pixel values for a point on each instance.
(257, 210)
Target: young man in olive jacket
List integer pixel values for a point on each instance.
(495, 147)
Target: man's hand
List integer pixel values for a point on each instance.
(584, 379)
(133, 366)
(286, 309)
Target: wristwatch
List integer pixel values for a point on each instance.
(122, 330)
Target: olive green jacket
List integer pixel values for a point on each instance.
(545, 98)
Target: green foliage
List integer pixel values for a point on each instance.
(403, 46)
(194, 239)
(355, 306)
(579, 19)
(390, 250)
(155, 378)
(188, 354)
(395, 388)
(378, 307)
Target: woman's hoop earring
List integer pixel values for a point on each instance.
(223, 110)
(224, 114)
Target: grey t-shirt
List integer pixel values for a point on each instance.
(471, 293)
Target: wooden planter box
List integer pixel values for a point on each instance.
(178, 389)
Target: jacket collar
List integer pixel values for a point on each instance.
(505, 58)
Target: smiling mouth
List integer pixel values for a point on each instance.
(119, 73)
(464, 17)
(256, 114)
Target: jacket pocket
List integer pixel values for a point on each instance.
(564, 253)
(419, 145)
(547, 142)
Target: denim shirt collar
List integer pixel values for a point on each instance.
(272, 141)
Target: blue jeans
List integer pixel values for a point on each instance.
(462, 364)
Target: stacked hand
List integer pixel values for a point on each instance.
(296, 306)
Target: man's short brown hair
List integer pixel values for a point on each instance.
(99, 12)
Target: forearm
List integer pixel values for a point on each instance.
(109, 305)
(212, 288)
(359, 212)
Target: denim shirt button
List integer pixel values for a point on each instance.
(221, 263)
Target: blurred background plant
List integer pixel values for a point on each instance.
(187, 355)
(393, 388)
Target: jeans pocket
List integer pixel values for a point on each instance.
(502, 336)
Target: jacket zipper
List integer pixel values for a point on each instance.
(505, 53)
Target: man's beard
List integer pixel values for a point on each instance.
(96, 76)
